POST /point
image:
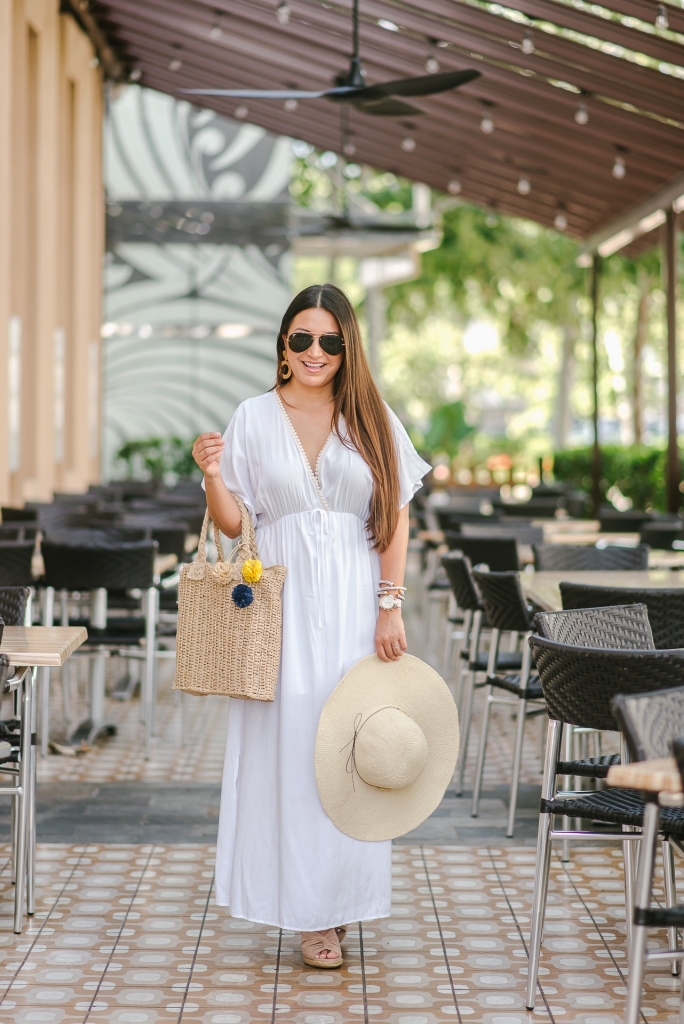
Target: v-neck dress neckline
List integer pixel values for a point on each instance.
(313, 472)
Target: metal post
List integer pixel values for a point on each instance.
(642, 903)
(151, 609)
(31, 799)
(98, 663)
(596, 458)
(48, 613)
(670, 268)
(23, 801)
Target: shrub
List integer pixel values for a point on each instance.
(158, 457)
(638, 471)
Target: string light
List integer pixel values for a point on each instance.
(560, 221)
(527, 43)
(291, 105)
(662, 20)
(487, 125)
(619, 169)
(241, 112)
(176, 64)
(454, 186)
(524, 187)
(349, 149)
(135, 75)
(432, 65)
(283, 12)
(408, 144)
(215, 30)
(581, 114)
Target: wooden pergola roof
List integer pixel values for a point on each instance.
(628, 73)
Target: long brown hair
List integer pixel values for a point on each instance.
(358, 401)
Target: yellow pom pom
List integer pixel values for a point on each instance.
(252, 570)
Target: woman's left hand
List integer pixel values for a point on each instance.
(390, 636)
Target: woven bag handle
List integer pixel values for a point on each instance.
(247, 546)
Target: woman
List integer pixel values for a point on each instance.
(326, 471)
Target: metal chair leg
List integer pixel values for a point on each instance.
(541, 881)
(468, 700)
(670, 899)
(517, 758)
(644, 888)
(491, 667)
(482, 750)
(31, 805)
(23, 800)
(462, 646)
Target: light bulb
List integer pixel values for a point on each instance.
(487, 125)
(442, 43)
(241, 112)
(349, 149)
(135, 75)
(432, 65)
(175, 64)
(454, 186)
(582, 114)
(290, 105)
(283, 12)
(408, 145)
(524, 187)
(527, 43)
(215, 32)
(560, 221)
(661, 17)
(619, 169)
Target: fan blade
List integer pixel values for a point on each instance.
(424, 85)
(388, 107)
(258, 94)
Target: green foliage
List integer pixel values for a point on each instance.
(517, 271)
(448, 428)
(638, 471)
(156, 457)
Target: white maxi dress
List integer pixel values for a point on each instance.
(280, 860)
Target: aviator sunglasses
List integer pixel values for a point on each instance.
(299, 341)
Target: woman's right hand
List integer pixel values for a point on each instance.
(207, 451)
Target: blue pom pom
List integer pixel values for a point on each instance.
(243, 595)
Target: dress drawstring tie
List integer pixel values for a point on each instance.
(322, 527)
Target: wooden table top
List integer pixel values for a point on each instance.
(45, 646)
(543, 587)
(658, 776)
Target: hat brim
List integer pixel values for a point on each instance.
(366, 812)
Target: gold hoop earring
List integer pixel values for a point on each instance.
(285, 366)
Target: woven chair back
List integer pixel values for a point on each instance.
(499, 553)
(460, 576)
(622, 628)
(16, 557)
(650, 722)
(562, 557)
(112, 565)
(13, 605)
(665, 607)
(504, 601)
(662, 537)
(579, 683)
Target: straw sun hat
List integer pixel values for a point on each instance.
(386, 747)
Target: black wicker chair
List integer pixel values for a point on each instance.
(653, 725)
(500, 554)
(100, 566)
(665, 607)
(507, 612)
(579, 684)
(460, 575)
(562, 557)
(16, 558)
(662, 535)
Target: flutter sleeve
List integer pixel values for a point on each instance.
(412, 468)
(235, 463)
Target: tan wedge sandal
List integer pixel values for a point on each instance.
(313, 943)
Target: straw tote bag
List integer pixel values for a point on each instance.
(229, 620)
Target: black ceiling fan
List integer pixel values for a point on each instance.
(350, 86)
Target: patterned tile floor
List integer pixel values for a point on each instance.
(130, 935)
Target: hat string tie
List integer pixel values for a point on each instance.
(359, 723)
